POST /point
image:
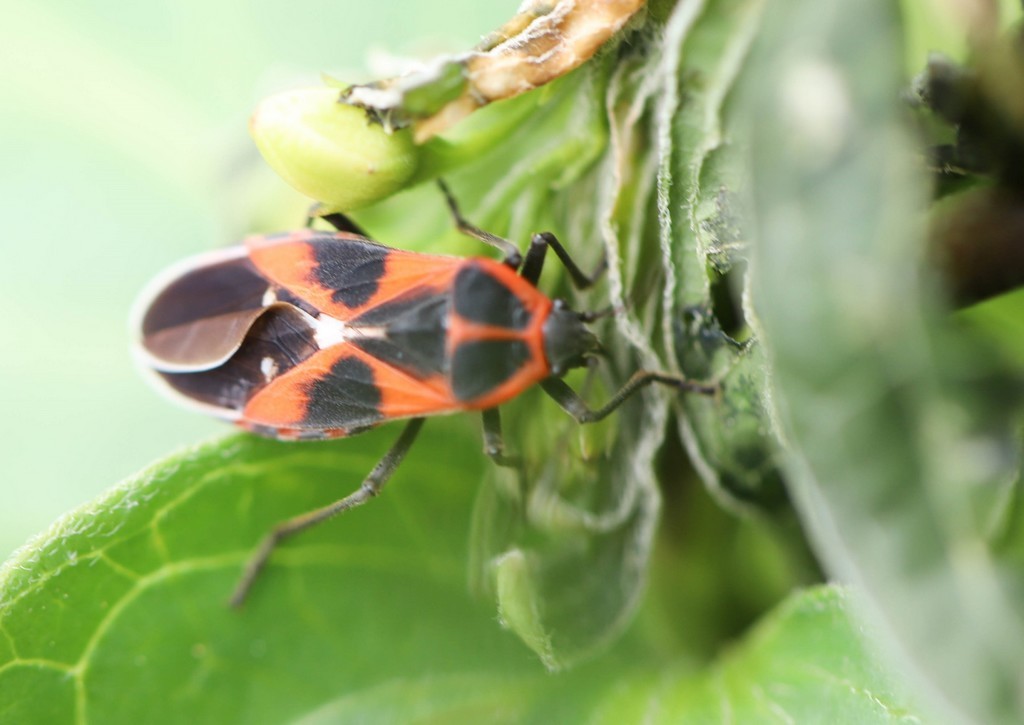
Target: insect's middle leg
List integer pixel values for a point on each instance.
(370, 487)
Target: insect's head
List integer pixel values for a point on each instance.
(567, 341)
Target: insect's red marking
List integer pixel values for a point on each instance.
(290, 261)
(286, 260)
(403, 396)
(408, 270)
(285, 402)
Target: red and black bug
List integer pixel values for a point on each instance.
(310, 335)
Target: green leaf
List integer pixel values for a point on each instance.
(118, 613)
(659, 202)
(805, 662)
(133, 588)
(903, 423)
(701, 177)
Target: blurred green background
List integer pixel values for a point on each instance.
(124, 145)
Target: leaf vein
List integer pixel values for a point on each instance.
(831, 677)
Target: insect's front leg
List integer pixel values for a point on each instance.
(533, 265)
(494, 441)
(575, 406)
(370, 487)
(339, 221)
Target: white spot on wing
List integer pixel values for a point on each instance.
(328, 331)
(268, 366)
(269, 297)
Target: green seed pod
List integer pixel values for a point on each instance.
(330, 151)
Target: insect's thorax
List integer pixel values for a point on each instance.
(480, 338)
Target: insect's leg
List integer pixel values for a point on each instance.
(574, 405)
(344, 224)
(494, 442)
(512, 256)
(339, 221)
(534, 262)
(370, 487)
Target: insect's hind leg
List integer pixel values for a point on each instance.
(370, 487)
(574, 405)
(513, 258)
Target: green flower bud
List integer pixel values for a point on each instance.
(330, 151)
